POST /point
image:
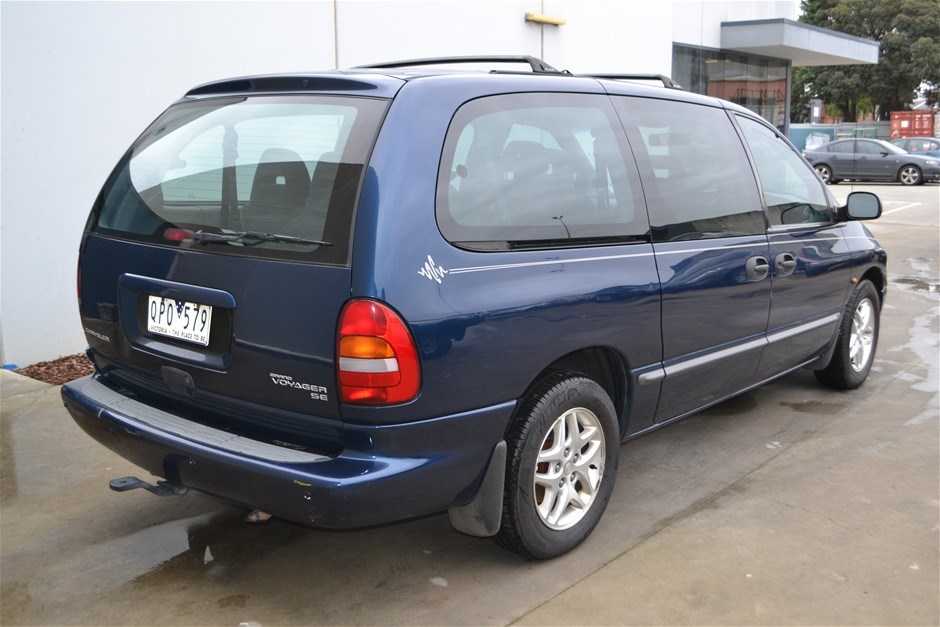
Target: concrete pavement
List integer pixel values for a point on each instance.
(791, 504)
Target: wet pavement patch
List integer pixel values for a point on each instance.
(922, 285)
(235, 600)
(815, 407)
(735, 406)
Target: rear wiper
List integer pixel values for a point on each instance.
(253, 238)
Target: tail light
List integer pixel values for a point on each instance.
(178, 235)
(378, 361)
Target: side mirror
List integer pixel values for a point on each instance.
(861, 206)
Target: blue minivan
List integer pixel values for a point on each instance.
(354, 297)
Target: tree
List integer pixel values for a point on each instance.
(908, 34)
(800, 95)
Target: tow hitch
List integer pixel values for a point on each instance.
(172, 486)
(163, 488)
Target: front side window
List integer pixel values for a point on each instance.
(878, 147)
(792, 191)
(537, 170)
(262, 176)
(702, 185)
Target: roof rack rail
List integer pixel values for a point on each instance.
(665, 80)
(537, 65)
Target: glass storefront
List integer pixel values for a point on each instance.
(758, 83)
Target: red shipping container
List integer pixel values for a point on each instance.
(911, 124)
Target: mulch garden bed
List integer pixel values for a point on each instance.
(58, 371)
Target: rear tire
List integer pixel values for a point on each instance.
(561, 465)
(858, 338)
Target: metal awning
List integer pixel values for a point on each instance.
(803, 44)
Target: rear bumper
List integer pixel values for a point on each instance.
(385, 473)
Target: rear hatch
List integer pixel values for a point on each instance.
(216, 260)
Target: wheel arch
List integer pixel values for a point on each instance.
(603, 365)
(878, 279)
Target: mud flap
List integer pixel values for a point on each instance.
(481, 517)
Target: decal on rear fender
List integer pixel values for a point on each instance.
(432, 271)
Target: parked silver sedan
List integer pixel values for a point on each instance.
(871, 160)
(926, 146)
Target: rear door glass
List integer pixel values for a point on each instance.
(702, 185)
(526, 170)
(842, 148)
(262, 176)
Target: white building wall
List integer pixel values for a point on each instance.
(375, 31)
(80, 80)
(609, 37)
(699, 23)
(600, 36)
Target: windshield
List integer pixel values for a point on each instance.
(263, 176)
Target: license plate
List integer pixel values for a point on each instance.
(181, 319)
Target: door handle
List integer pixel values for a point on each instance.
(785, 264)
(756, 268)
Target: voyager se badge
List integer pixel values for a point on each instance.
(317, 392)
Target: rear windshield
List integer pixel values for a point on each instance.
(264, 176)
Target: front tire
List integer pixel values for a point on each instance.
(825, 173)
(910, 175)
(858, 338)
(561, 465)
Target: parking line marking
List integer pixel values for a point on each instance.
(901, 208)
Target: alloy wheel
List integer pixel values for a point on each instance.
(909, 175)
(569, 468)
(863, 335)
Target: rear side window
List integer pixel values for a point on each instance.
(793, 192)
(262, 176)
(702, 184)
(532, 170)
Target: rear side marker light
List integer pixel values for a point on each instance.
(376, 356)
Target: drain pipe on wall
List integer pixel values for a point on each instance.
(335, 35)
